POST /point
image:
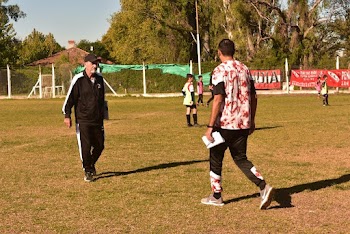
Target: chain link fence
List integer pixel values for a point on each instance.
(25, 82)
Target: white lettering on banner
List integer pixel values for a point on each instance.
(266, 77)
(308, 74)
(345, 75)
(303, 84)
(345, 83)
(307, 78)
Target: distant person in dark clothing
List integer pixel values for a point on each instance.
(211, 90)
(324, 91)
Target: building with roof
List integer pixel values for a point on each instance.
(72, 55)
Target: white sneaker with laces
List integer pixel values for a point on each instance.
(211, 200)
(266, 196)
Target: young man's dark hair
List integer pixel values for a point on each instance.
(189, 76)
(227, 47)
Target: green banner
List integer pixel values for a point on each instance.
(175, 69)
(181, 70)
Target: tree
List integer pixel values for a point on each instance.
(301, 31)
(152, 31)
(264, 31)
(38, 46)
(8, 43)
(51, 45)
(98, 48)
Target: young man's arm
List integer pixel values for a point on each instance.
(218, 99)
(253, 106)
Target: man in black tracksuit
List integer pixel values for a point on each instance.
(87, 94)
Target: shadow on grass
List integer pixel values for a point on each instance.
(145, 169)
(283, 195)
(264, 128)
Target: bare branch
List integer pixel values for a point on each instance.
(272, 7)
(260, 14)
(314, 7)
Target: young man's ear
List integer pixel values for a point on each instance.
(219, 53)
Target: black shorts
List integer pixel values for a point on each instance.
(194, 106)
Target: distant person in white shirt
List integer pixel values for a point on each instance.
(189, 102)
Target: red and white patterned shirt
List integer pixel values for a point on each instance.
(235, 112)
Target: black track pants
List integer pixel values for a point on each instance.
(236, 141)
(91, 144)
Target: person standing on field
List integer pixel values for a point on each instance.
(87, 95)
(324, 91)
(211, 91)
(189, 102)
(318, 86)
(200, 90)
(233, 116)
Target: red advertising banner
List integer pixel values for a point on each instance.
(307, 78)
(266, 79)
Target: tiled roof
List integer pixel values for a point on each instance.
(74, 55)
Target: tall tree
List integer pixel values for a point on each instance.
(51, 45)
(98, 48)
(265, 31)
(297, 29)
(153, 31)
(8, 43)
(38, 46)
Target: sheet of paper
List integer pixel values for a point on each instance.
(217, 140)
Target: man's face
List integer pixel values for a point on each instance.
(91, 67)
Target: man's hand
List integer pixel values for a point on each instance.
(208, 134)
(68, 122)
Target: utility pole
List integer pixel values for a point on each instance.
(198, 42)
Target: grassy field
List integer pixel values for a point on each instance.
(154, 170)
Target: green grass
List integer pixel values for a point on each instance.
(155, 170)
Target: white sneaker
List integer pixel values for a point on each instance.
(211, 200)
(88, 177)
(266, 196)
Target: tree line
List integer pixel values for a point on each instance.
(310, 33)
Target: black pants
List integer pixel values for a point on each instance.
(325, 99)
(211, 98)
(91, 144)
(236, 141)
(200, 99)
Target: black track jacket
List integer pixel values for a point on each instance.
(87, 98)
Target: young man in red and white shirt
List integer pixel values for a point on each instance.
(233, 115)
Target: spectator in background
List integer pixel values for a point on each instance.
(200, 90)
(324, 91)
(211, 91)
(189, 101)
(318, 86)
